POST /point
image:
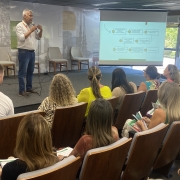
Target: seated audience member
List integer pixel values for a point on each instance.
(6, 104)
(151, 75)
(96, 90)
(120, 85)
(169, 99)
(172, 74)
(99, 129)
(33, 148)
(61, 93)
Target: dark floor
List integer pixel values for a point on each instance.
(173, 172)
(78, 79)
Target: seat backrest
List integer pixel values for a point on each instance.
(4, 55)
(75, 52)
(66, 170)
(105, 162)
(8, 128)
(130, 105)
(143, 151)
(54, 53)
(67, 125)
(171, 146)
(151, 96)
(113, 101)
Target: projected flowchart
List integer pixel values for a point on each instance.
(144, 40)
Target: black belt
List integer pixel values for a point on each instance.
(25, 50)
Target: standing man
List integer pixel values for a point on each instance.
(27, 32)
(6, 104)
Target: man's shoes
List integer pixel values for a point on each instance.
(30, 91)
(23, 94)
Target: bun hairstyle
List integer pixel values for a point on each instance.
(174, 73)
(151, 71)
(94, 75)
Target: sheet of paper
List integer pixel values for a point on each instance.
(65, 152)
(4, 161)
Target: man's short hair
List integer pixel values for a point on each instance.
(25, 11)
(1, 68)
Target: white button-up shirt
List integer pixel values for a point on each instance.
(28, 43)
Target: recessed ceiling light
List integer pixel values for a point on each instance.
(160, 4)
(107, 3)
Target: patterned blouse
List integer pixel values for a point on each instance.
(49, 107)
(152, 84)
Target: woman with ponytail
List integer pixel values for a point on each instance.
(96, 89)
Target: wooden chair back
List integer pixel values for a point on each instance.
(130, 105)
(105, 162)
(66, 170)
(67, 125)
(170, 149)
(143, 151)
(151, 96)
(113, 101)
(8, 128)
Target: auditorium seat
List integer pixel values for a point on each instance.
(67, 125)
(65, 170)
(169, 151)
(151, 96)
(113, 101)
(8, 128)
(130, 105)
(105, 162)
(143, 152)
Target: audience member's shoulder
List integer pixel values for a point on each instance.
(47, 99)
(86, 89)
(106, 88)
(133, 85)
(86, 138)
(3, 96)
(115, 133)
(160, 111)
(15, 164)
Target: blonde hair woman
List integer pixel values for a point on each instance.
(99, 129)
(172, 74)
(61, 93)
(33, 148)
(169, 99)
(96, 89)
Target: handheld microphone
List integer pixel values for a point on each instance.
(33, 24)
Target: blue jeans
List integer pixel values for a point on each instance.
(26, 68)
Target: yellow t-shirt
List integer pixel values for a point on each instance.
(86, 95)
